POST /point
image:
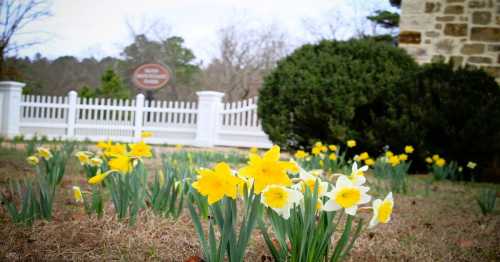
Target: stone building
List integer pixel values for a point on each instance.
(461, 31)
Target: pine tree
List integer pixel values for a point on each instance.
(112, 86)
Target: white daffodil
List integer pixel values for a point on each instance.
(357, 175)
(382, 210)
(281, 199)
(346, 195)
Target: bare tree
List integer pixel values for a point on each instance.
(245, 56)
(331, 26)
(15, 15)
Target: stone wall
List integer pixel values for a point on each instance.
(463, 31)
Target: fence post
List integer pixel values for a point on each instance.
(72, 98)
(139, 109)
(10, 107)
(208, 118)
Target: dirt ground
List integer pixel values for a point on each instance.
(445, 225)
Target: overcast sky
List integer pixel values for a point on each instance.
(98, 28)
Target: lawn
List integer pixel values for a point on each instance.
(442, 222)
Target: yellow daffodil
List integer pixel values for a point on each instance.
(435, 157)
(44, 153)
(281, 199)
(346, 195)
(254, 150)
(332, 147)
(268, 170)
(318, 148)
(309, 180)
(95, 161)
(403, 157)
(409, 149)
(120, 163)
(394, 160)
(369, 162)
(351, 143)
(333, 156)
(33, 160)
(363, 156)
(98, 178)
(103, 145)
(471, 165)
(428, 160)
(115, 150)
(300, 154)
(140, 150)
(440, 162)
(146, 134)
(382, 210)
(389, 154)
(217, 183)
(77, 194)
(83, 157)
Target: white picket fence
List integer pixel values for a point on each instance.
(207, 122)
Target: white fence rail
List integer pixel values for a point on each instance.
(208, 122)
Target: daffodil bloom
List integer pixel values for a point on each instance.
(281, 199)
(394, 160)
(333, 156)
(428, 160)
(44, 153)
(346, 195)
(471, 165)
(300, 154)
(409, 149)
(83, 157)
(363, 156)
(217, 183)
(33, 160)
(254, 150)
(116, 149)
(369, 162)
(440, 162)
(268, 170)
(99, 177)
(351, 143)
(389, 154)
(146, 134)
(357, 175)
(95, 161)
(140, 149)
(103, 145)
(120, 163)
(332, 147)
(77, 194)
(403, 157)
(319, 148)
(435, 157)
(382, 210)
(309, 180)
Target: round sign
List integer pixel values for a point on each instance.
(151, 76)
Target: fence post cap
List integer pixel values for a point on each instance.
(210, 94)
(72, 93)
(11, 84)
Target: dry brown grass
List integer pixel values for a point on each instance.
(445, 226)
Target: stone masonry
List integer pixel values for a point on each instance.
(461, 31)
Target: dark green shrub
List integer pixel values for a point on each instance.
(333, 91)
(455, 113)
